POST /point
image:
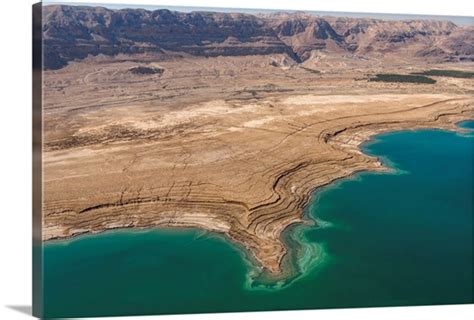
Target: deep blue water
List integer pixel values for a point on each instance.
(400, 238)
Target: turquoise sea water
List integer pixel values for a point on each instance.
(466, 124)
(400, 238)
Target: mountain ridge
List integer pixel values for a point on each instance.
(74, 32)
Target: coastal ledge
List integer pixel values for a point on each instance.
(244, 169)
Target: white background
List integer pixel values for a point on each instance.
(15, 153)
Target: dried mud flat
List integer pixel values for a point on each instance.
(233, 145)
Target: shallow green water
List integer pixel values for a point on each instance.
(386, 239)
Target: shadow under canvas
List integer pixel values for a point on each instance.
(25, 309)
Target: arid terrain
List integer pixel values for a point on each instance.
(232, 143)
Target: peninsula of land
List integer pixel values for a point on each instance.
(227, 141)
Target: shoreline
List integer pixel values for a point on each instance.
(242, 161)
(288, 268)
(309, 221)
(360, 248)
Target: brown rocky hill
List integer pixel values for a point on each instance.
(74, 32)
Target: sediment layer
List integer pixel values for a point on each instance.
(231, 145)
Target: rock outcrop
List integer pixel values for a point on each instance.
(74, 32)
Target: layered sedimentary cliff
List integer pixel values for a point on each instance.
(73, 32)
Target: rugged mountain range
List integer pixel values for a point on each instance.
(74, 32)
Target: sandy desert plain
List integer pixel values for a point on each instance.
(229, 144)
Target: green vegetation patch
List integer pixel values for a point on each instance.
(407, 78)
(447, 73)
